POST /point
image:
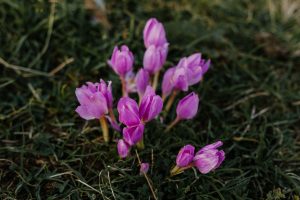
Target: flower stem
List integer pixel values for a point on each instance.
(178, 170)
(104, 127)
(170, 101)
(163, 97)
(172, 124)
(124, 92)
(140, 144)
(112, 115)
(155, 80)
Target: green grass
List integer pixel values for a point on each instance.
(249, 99)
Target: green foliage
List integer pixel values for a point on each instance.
(249, 100)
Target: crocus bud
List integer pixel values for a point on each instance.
(93, 103)
(155, 57)
(185, 156)
(154, 33)
(188, 106)
(107, 92)
(167, 83)
(128, 111)
(151, 105)
(196, 67)
(142, 81)
(209, 157)
(123, 148)
(121, 60)
(144, 168)
(133, 134)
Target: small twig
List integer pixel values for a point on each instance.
(146, 177)
(61, 174)
(238, 139)
(152, 160)
(112, 191)
(34, 92)
(104, 197)
(80, 181)
(61, 66)
(245, 99)
(17, 68)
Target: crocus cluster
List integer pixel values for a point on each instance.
(96, 99)
(135, 117)
(205, 160)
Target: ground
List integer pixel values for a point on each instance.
(250, 99)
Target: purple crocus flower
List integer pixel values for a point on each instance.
(185, 156)
(93, 102)
(123, 148)
(128, 111)
(133, 134)
(187, 72)
(144, 168)
(121, 60)
(155, 57)
(142, 81)
(188, 106)
(209, 157)
(154, 33)
(151, 105)
(196, 67)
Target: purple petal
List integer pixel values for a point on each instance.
(167, 84)
(206, 67)
(185, 156)
(206, 162)
(133, 134)
(221, 155)
(151, 105)
(155, 107)
(83, 95)
(84, 113)
(128, 111)
(142, 81)
(144, 168)
(211, 146)
(123, 148)
(187, 107)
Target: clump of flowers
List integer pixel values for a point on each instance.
(96, 99)
(205, 160)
